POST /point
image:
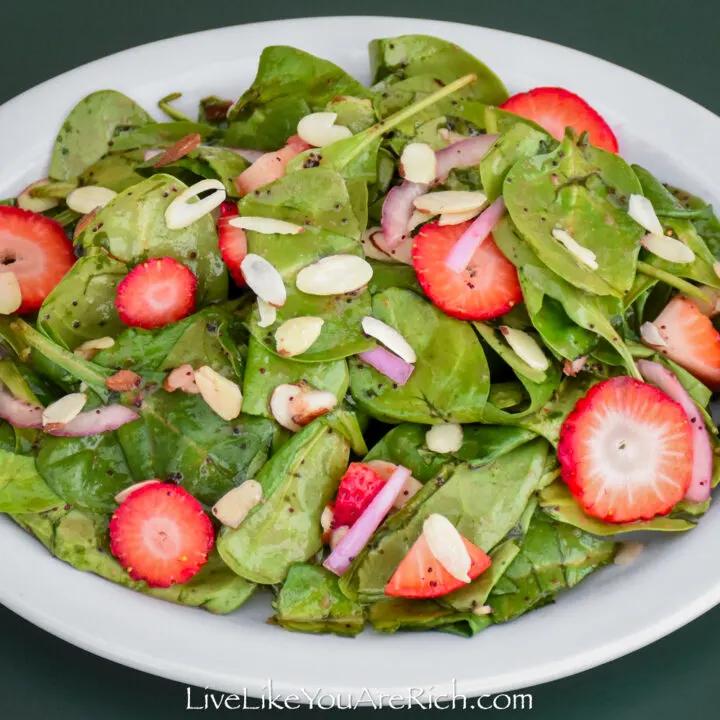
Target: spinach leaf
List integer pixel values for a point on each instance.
(159, 135)
(451, 378)
(393, 275)
(22, 489)
(87, 132)
(7, 437)
(355, 113)
(116, 172)
(582, 190)
(298, 482)
(705, 222)
(289, 84)
(393, 59)
(310, 601)
(132, 229)
(484, 502)
(81, 307)
(393, 614)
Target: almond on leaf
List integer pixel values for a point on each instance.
(223, 396)
(296, 336)
(233, 507)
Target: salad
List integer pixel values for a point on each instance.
(407, 356)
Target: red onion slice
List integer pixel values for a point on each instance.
(702, 466)
(94, 422)
(396, 212)
(388, 364)
(359, 534)
(463, 250)
(462, 154)
(19, 413)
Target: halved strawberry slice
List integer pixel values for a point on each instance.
(161, 534)
(359, 485)
(691, 340)
(156, 293)
(626, 451)
(555, 109)
(36, 249)
(487, 288)
(232, 242)
(420, 574)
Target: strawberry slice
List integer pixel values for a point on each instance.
(420, 574)
(487, 288)
(36, 249)
(156, 293)
(270, 166)
(555, 109)
(359, 485)
(232, 242)
(691, 340)
(161, 534)
(626, 451)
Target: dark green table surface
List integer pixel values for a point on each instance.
(674, 43)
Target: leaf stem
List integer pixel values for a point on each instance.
(169, 110)
(678, 283)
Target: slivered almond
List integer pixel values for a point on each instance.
(83, 222)
(326, 518)
(668, 248)
(280, 402)
(297, 335)
(450, 136)
(418, 217)
(319, 129)
(264, 279)
(457, 218)
(582, 254)
(651, 335)
(182, 378)
(90, 348)
(389, 337)
(628, 552)
(182, 213)
(450, 201)
(62, 411)
(223, 396)
(716, 268)
(444, 438)
(525, 347)
(572, 367)
(88, 198)
(482, 610)
(418, 163)
(233, 507)
(266, 226)
(123, 495)
(123, 380)
(337, 535)
(370, 246)
(267, 313)
(334, 275)
(385, 469)
(311, 404)
(26, 201)
(184, 146)
(641, 210)
(10, 293)
(447, 546)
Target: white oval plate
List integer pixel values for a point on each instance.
(615, 612)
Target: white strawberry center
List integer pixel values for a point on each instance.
(162, 537)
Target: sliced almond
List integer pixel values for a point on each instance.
(450, 136)
(572, 367)
(417, 218)
(83, 222)
(267, 313)
(233, 507)
(628, 552)
(326, 519)
(280, 402)
(641, 210)
(444, 438)
(88, 198)
(182, 378)
(447, 546)
(223, 396)
(123, 380)
(337, 535)
(370, 247)
(457, 218)
(582, 254)
(10, 293)
(26, 201)
(123, 495)
(90, 348)
(319, 129)
(184, 146)
(311, 404)
(264, 279)
(451, 201)
(716, 268)
(297, 335)
(525, 347)
(334, 275)
(65, 409)
(182, 212)
(385, 469)
(668, 249)
(482, 610)
(651, 335)
(266, 226)
(389, 337)
(418, 163)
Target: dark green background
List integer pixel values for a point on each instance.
(674, 43)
